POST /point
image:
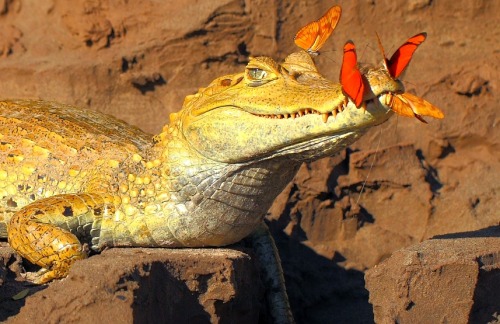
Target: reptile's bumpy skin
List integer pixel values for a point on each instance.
(71, 177)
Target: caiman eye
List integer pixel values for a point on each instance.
(257, 74)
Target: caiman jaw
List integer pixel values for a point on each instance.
(308, 111)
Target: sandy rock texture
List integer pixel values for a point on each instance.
(403, 183)
(146, 286)
(461, 271)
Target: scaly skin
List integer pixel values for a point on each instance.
(71, 177)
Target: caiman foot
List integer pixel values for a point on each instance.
(44, 232)
(52, 248)
(44, 275)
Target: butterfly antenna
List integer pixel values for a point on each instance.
(329, 58)
(413, 84)
(362, 53)
(381, 48)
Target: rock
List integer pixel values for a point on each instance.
(152, 286)
(452, 278)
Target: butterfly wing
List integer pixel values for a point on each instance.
(399, 105)
(400, 59)
(327, 24)
(313, 36)
(422, 107)
(350, 76)
(408, 105)
(307, 36)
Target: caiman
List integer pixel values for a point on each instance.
(73, 179)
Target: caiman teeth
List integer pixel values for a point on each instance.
(325, 117)
(308, 111)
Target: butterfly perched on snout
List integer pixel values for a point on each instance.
(404, 104)
(313, 36)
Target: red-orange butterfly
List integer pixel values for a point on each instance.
(313, 36)
(406, 104)
(401, 58)
(350, 76)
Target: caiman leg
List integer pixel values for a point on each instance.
(48, 232)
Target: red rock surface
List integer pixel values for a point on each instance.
(138, 62)
(151, 286)
(454, 278)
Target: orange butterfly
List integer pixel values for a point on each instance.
(350, 76)
(406, 104)
(313, 36)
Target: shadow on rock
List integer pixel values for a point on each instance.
(492, 231)
(13, 291)
(320, 291)
(12, 297)
(150, 298)
(486, 299)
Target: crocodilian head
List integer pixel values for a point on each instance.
(273, 110)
